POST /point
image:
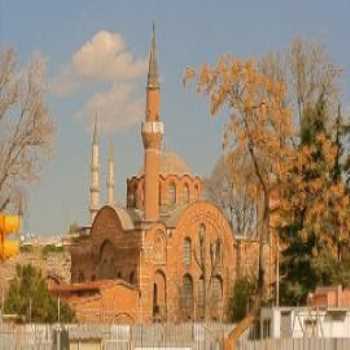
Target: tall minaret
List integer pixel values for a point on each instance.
(94, 175)
(110, 177)
(152, 131)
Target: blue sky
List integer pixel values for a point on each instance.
(189, 33)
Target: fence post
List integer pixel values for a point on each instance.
(58, 337)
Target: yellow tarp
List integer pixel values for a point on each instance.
(10, 249)
(9, 223)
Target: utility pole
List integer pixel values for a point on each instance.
(30, 310)
(2, 305)
(277, 273)
(58, 309)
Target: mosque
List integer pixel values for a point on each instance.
(168, 255)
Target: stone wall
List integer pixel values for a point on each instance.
(55, 263)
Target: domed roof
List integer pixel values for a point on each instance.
(171, 164)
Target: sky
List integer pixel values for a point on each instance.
(96, 54)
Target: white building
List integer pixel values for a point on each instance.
(298, 322)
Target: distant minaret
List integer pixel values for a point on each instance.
(152, 131)
(94, 177)
(110, 177)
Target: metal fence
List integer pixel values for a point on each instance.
(297, 344)
(27, 337)
(197, 336)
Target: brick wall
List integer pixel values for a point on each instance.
(88, 255)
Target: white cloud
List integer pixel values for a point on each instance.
(117, 108)
(105, 57)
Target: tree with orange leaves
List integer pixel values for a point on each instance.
(260, 126)
(294, 178)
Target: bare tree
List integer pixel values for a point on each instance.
(208, 257)
(308, 71)
(26, 129)
(230, 187)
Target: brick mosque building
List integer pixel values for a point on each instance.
(169, 255)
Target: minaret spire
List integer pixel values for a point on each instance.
(95, 134)
(94, 173)
(153, 74)
(110, 176)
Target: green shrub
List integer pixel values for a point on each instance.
(242, 293)
(29, 298)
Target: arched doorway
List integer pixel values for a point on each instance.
(159, 297)
(187, 297)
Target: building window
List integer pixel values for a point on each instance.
(217, 289)
(159, 297)
(187, 252)
(216, 253)
(172, 194)
(81, 277)
(106, 266)
(196, 190)
(159, 248)
(187, 193)
(201, 233)
(187, 297)
(132, 277)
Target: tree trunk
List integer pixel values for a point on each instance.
(243, 325)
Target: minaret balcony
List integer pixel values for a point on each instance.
(150, 127)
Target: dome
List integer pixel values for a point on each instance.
(171, 164)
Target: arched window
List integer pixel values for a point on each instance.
(106, 265)
(201, 301)
(155, 300)
(219, 252)
(201, 232)
(159, 248)
(217, 289)
(187, 251)
(196, 191)
(81, 277)
(172, 194)
(187, 297)
(132, 277)
(187, 193)
(216, 253)
(159, 297)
